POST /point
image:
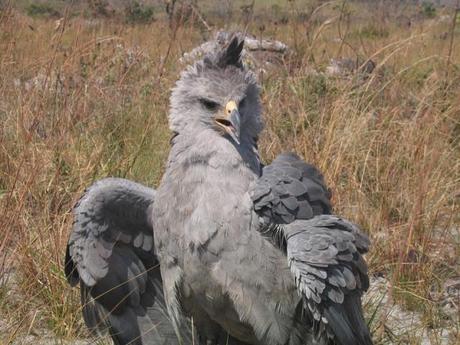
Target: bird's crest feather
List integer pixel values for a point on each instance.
(231, 53)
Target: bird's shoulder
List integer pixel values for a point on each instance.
(289, 189)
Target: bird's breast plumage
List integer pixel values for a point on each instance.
(227, 265)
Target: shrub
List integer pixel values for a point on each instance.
(99, 8)
(428, 9)
(138, 13)
(42, 10)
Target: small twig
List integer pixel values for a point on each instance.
(452, 32)
(339, 27)
(168, 52)
(200, 17)
(249, 18)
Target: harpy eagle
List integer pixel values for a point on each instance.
(226, 250)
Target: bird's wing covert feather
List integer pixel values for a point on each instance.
(325, 257)
(290, 189)
(110, 253)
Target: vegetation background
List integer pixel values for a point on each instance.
(84, 88)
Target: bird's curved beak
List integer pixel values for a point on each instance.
(230, 121)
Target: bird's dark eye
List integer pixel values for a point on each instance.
(208, 104)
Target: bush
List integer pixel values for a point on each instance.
(428, 10)
(100, 8)
(137, 13)
(42, 10)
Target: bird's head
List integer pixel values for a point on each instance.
(218, 93)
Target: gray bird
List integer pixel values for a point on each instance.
(226, 251)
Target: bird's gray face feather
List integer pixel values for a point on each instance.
(218, 94)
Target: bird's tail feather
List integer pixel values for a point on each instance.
(347, 322)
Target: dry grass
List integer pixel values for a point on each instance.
(90, 99)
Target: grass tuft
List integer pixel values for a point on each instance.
(84, 99)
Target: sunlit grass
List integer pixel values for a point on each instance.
(90, 100)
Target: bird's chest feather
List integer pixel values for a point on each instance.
(208, 213)
(227, 268)
(218, 214)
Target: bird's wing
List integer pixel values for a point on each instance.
(110, 253)
(325, 256)
(323, 251)
(290, 189)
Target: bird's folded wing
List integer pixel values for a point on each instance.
(323, 251)
(110, 253)
(325, 257)
(290, 189)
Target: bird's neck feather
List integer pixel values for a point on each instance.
(209, 150)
